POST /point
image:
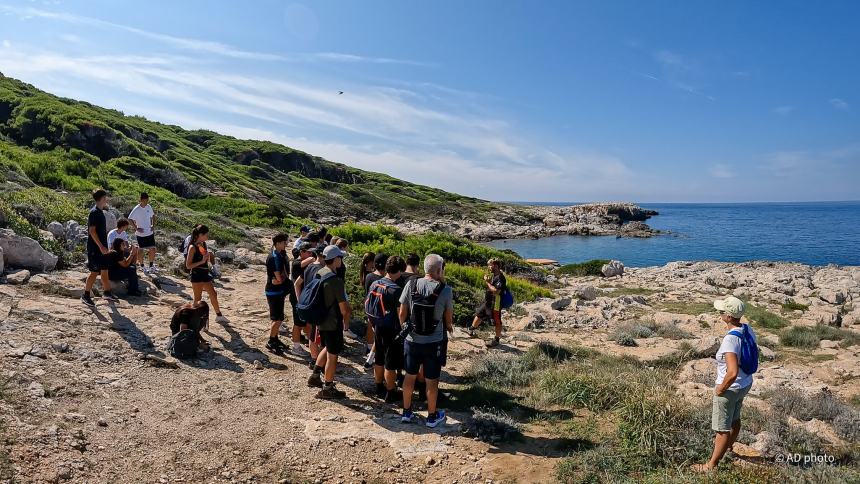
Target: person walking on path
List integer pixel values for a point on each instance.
(495, 283)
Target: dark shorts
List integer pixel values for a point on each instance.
(389, 352)
(96, 262)
(147, 242)
(276, 307)
(332, 341)
(201, 275)
(431, 355)
(486, 312)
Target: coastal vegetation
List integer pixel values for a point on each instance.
(581, 269)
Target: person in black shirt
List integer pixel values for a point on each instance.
(97, 249)
(379, 272)
(388, 357)
(120, 263)
(343, 245)
(412, 271)
(197, 262)
(276, 290)
(302, 257)
(193, 316)
(492, 308)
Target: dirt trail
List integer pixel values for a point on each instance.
(82, 404)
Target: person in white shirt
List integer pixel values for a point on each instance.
(143, 218)
(732, 383)
(303, 233)
(120, 232)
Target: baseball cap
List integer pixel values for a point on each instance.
(731, 305)
(332, 252)
(305, 228)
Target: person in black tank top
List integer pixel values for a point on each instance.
(197, 262)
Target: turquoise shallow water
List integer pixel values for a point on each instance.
(812, 233)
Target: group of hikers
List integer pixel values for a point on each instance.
(409, 315)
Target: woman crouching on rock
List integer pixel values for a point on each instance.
(197, 262)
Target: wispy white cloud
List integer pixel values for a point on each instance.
(839, 104)
(7, 44)
(353, 58)
(721, 170)
(677, 72)
(784, 110)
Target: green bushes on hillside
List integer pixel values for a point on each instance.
(589, 268)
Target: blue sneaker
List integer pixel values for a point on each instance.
(435, 419)
(408, 416)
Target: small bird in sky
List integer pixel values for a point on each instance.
(339, 93)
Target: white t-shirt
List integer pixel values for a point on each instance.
(298, 242)
(732, 344)
(142, 217)
(113, 234)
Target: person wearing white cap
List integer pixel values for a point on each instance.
(737, 360)
(330, 334)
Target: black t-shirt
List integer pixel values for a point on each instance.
(295, 269)
(500, 283)
(275, 263)
(113, 259)
(341, 271)
(370, 279)
(96, 219)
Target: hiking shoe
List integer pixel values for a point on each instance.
(275, 347)
(297, 350)
(146, 270)
(221, 319)
(315, 380)
(381, 390)
(303, 340)
(154, 269)
(137, 293)
(435, 419)
(349, 334)
(329, 392)
(371, 358)
(493, 343)
(88, 300)
(473, 332)
(393, 396)
(408, 417)
(108, 296)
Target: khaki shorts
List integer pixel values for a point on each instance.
(727, 409)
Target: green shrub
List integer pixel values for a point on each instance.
(505, 371)
(589, 268)
(764, 318)
(808, 337)
(794, 306)
(597, 383)
(16, 222)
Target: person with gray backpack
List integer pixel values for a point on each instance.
(426, 311)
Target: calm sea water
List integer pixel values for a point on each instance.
(812, 233)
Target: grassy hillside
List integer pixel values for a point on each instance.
(50, 144)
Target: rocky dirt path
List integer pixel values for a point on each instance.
(82, 403)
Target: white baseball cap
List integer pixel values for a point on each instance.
(731, 305)
(333, 252)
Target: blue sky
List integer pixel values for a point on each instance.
(536, 101)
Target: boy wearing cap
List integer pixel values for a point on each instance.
(331, 329)
(303, 233)
(732, 383)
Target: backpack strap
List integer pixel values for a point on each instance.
(735, 332)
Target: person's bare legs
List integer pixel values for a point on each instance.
(476, 323)
(213, 296)
(197, 291)
(105, 281)
(432, 393)
(322, 358)
(91, 280)
(722, 442)
(378, 374)
(151, 253)
(330, 367)
(497, 318)
(273, 330)
(408, 388)
(390, 380)
(297, 334)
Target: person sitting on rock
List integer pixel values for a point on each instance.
(120, 261)
(732, 383)
(197, 262)
(492, 308)
(120, 231)
(193, 316)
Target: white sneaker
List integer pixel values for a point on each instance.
(221, 319)
(146, 270)
(297, 350)
(349, 334)
(154, 268)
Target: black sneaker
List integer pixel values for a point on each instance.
(88, 300)
(137, 293)
(274, 347)
(329, 392)
(315, 380)
(380, 390)
(108, 296)
(303, 340)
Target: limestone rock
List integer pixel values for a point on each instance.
(110, 219)
(585, 292)
(66, 284)
(706, 347)
(828, 344)
(766, 443)
(226, 255)
(537, 321)
(2, 264)
(24, 252)
(57, 230)
(560, 304)
(613, 268)
(766, 353)
(832, 296)
(18, 277)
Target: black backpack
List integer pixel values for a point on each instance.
(183, 345)
(422, 310)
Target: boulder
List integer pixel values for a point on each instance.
(828, 344)
(57, 230)
(18, 277)
(24, 252)
(67, 283)
(832, 296)
(585, 292)
(613, 268)
(536, 322)
(766, 353)
(561, 304)
(250, 257)
(766, 443)
(706, 347)
(226, 255)
(110, 219)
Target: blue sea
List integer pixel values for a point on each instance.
(815, 233)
